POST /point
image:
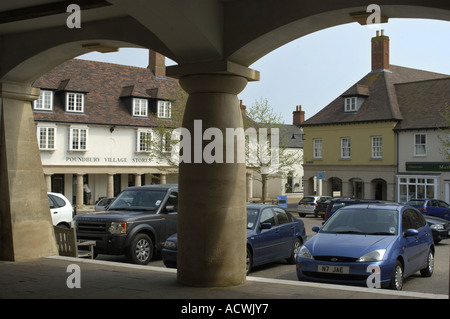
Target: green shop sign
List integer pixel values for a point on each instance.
(432, 166)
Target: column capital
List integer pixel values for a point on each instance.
(18, 91)
(213, 67)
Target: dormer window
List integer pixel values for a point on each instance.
(74, 102)
(44, 102)
(164, 109)
(351, 104)
(140, 107)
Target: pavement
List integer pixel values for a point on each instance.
(55, 277)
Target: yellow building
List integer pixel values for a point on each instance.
(350, 146)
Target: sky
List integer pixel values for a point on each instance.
(315, 69)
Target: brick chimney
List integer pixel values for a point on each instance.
(157, 63)
(298, 115)
(380, 52)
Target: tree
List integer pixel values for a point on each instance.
(161, 139)
(265, 151)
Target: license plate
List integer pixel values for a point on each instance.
(334, 269)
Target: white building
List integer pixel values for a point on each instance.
(93, 123)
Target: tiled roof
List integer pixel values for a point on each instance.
(106, 86)
(379, 88)
(421, 102)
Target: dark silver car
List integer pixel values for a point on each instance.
(308, 204)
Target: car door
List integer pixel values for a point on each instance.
(431, 208)
(170, 214)
(416, 247)
(286, 231)
(265, 241)
(442, 209)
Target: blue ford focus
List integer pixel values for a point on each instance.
(377, 245)
(272, 234)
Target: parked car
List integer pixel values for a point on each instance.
(61, 210)
(307, 205)
(394, 239)
(322, 205)
(439, 227)
(431, 207)
(337, 203)
(103, 203)
(272, 234)
(136, 224)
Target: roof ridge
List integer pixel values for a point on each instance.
(110, 63)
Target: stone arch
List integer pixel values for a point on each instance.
(211, 40)
(379, 189)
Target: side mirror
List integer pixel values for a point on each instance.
(266, 226)
(411, 232)
(170, 208)
(316, 229)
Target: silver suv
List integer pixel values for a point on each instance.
(308, 204)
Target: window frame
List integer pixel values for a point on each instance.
(140, 143)
(78, 143)
(44, 94)
(420, 144)
(351, 104)
(345, 147)
(164, 109)
(77, 108)
(140, 107)
(317, 148)
(377, 150)
(46, 145)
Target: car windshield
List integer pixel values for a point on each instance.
(142, 199)
(367, 221)
(307, 200)
(252, 217)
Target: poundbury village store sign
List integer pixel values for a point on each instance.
(106, 160)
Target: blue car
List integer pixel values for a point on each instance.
(377, 245)
(431, 207)
(272, 234)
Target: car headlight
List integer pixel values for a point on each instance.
(376, 255)
(305, 253)
(437, 227)
(170, 245)
(118, 228)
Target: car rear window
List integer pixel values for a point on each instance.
(415, 203)
(307, 200)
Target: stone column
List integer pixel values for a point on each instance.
(79, 191)
(26, 229)
(137, 180)
(110, 186)
(212, 208)
(249, 186)
(346, 188)
(48, 182)
(163, 179)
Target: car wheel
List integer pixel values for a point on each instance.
(248, 263)
(141, 250)
(397, 277)
(295, 249)
(428, 271)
